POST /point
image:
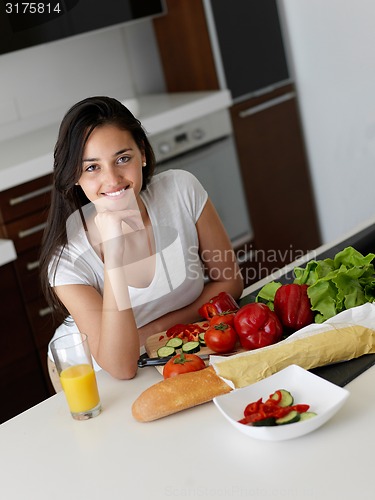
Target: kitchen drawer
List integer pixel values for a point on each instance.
(27, 267)
(41, 320)
(25, 199)
(27, 232)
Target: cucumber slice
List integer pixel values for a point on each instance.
(165, 351)
(286, 398)
(175, 342)
(201, 339)
(307, 415)
(293, 416)
(191, 347)
(266, 422)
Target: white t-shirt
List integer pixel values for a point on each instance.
(174, 200)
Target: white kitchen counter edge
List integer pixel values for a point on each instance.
(7, 252)
(30, 156)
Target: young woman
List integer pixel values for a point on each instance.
(125, 252)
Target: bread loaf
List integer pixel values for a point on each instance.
(178, 393)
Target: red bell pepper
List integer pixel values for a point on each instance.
(187, 332)
(257, 326)
(221, 303)
(293, 307)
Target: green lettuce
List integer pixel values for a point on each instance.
(337, 284)
(267, 294)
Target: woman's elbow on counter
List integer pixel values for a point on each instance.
(121, 372)
(125, 372)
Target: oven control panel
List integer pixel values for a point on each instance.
(191, 135)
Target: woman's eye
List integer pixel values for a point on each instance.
(90, 168)
(123, 159)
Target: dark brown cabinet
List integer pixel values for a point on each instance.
(184, 46)
(276, 177)
(23, 212)
(22, 382)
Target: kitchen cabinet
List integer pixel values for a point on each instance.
(185, 50)
(269, 139)
(275, 173)
(23, 212)
(22, 383)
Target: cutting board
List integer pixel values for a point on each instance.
(154, 342)
(343, 373)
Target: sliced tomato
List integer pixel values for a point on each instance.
(183, 363)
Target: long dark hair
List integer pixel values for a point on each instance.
(75, 129)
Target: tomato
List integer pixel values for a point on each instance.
(220, 338)
(227, 318)
(183, 363)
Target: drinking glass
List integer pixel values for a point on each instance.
(73, 360)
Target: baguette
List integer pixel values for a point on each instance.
(178, 393)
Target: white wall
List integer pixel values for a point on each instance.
(332, 51)
(39, 84)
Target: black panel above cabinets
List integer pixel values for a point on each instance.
(26, 24)
(251, 44)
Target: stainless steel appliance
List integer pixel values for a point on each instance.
(205, 147)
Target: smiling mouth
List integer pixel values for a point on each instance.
(115, 193)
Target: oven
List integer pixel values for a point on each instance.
(205, 147)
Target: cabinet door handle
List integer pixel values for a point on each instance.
(268, 104)
(31, 230)
(45, 311)
(30, 266)
(29, 196)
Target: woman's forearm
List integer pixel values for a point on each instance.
(118, 346)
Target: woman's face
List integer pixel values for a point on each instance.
(111, 165)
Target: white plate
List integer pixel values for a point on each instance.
(324, 398)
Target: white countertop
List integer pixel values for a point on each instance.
(192, 454)
(30, 156)
(7, 252)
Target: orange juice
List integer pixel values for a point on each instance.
(81, 390)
